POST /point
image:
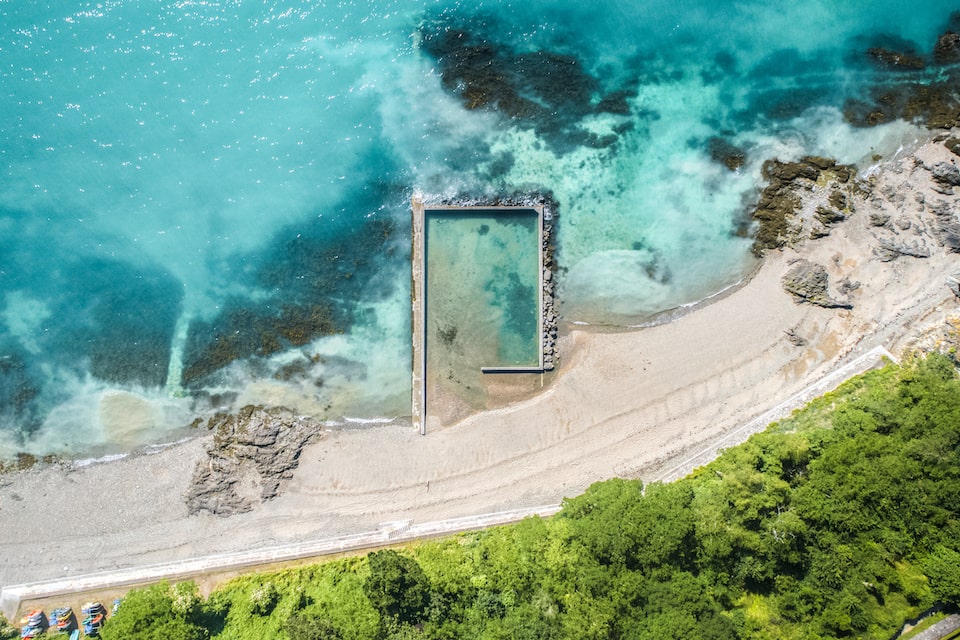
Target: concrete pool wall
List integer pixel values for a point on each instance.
(477, 305)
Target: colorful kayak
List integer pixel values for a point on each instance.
(33, 624)
(94, 615)
(62, 619)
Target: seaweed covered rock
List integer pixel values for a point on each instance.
(953, 144)
(934, 104)
(552, 92)
(781, 199)
(947, 49)
(896, 59)
(252, 452)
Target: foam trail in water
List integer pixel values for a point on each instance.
(175, 369)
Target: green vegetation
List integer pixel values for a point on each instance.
(841, 521)
(7, 630)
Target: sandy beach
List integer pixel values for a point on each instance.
(622, 404)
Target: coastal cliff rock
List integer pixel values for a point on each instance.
(808, 282)
(252, 452)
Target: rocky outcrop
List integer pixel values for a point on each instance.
(953, 283)
(946, 225)
(252, 453)
(782, 198)
(953, 144)
(889, 248)
(946, 176)
(808, 282)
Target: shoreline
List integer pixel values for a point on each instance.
(622, 403)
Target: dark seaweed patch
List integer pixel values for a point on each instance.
(106, 317)
(131, 315)
(312, 273)
(549, 91)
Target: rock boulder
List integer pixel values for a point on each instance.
(252, 452)
(809, 282)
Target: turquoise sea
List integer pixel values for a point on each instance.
(205, 204)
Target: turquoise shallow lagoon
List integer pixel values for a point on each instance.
(206, 204)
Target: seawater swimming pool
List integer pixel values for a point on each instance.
(478, 291)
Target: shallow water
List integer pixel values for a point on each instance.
(482, 287)
(204, 204)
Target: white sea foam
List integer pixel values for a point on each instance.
(99, 418)
(363, 372)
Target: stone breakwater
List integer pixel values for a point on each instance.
(550, 317)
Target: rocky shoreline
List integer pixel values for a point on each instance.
(805, 200)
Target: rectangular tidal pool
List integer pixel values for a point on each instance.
(481, 300)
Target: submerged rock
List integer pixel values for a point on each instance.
(252, 452)
(726, 153)
(896, 59)
(808, 282)
(934, 104)
(947, 49)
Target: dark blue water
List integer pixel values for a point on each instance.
(204, 204)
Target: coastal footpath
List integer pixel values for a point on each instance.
(876, 268)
